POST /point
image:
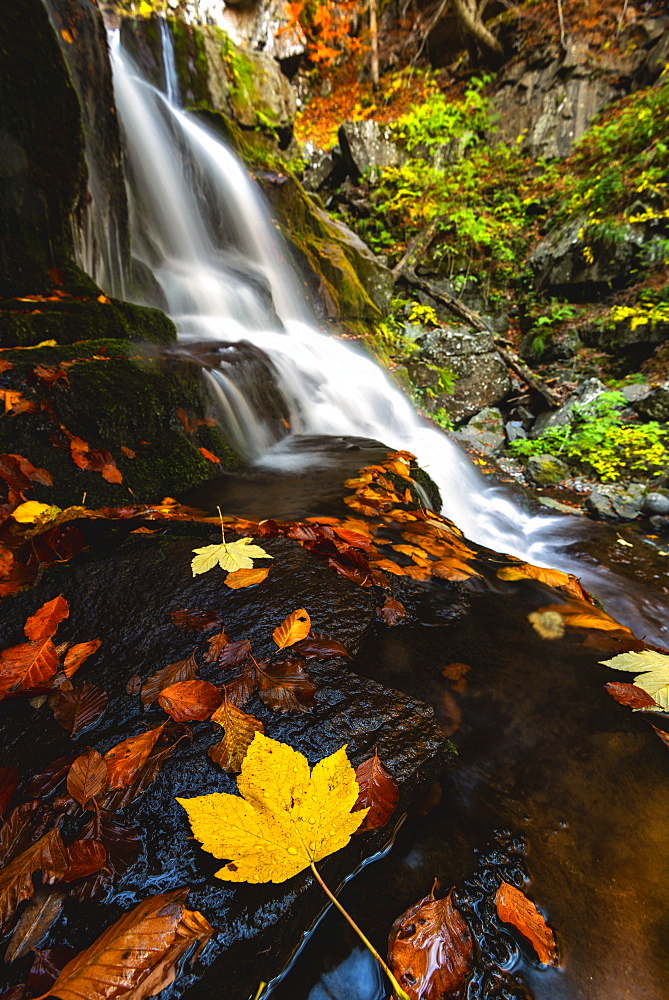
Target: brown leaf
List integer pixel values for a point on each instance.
(47, 856)
(23, 826)
(87, 777)
(360, 576)
(19, 473)
(240, 688)
(240, 578)
(378, 791)
(80, 708)
(123, 845)
(156, 927)
(84, 857)
(189, 700)
(630, 695)
(513, 907)
(9, 780)
(96, 459)
(44, 623)
(77, 655)
(48, 779)
(28, 666)
(430, 949)
(295, 627)
(35, 920)
(14, 402)
(234, 654)
(182, 670)
(662, 733)
(213, 651)
(128, 452)
(134, 684)
(319, 647)
(285, 686)
(239, 730)
(619, 640)
(122, 797)
(50, 374)
(194, 621)
(391, 612)
(126, 758)
(46, 967)
(59, 544)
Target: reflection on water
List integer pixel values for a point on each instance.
(358, 977)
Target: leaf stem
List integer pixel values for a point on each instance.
(397, 989)
(261, 990)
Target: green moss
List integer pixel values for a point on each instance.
(69, 320)
(191, 62)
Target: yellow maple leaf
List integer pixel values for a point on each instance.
(653, 676)
(228, 555)
(32, 511)
(287, 819)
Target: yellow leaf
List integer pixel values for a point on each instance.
(549, 624)
(526, 571)
(295, 627)
(32, 511)
(245, 578)
(239, 729)
(653, 676)
(228, 555)
(287, 819)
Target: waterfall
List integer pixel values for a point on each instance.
(199, 222)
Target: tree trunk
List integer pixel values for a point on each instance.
(472, 21)
(374, 40)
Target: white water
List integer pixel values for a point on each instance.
(200, 223)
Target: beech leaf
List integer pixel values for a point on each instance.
(292, 629)
(122, 844)
(27, 666)
(430, 949)
(513, 907)
(652, 676)
(287, 819)
(35, 920)
(9, 780)
(125, 759)
(228, 555)
(77, 655)
(319, 647)
(47, 856)
(84, 857)
(182, 670)
(233, 654)
(631, 695)
(194, 621)
(240, 688)
(87, 777)
(285, 686)
(44, 623)
(240, 578)
(188, 700)
(79, 708)
(127, 953)
(216, 644)
(378, 793)
(239, 728)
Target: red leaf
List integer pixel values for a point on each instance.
(378, 791)
(285, 686)
(319, 647)
(51, 776)
(430, 949)
(85, 857)
(193, 621)
(182, 670)
(9, 780)
(513, 907)
(391, 612)
(126, 758)
(87, 777)
(59, 544)
(19, 473)
(79, 708)
(44, 623)
(189, 700)
(123, 845)
(78, 654)
(234, 654)
(630, 695)
(47, 966)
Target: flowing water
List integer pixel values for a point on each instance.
(200, 224)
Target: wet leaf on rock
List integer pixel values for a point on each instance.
(319, 647)
(194, 621)
(190, 700)
(229, 556)
(77, 655)
(44, 623)
(391, 612)
(151, 936)
(430, 949)
(47, 856)
(52, 775)
(122, 844)
(46, 967)
(214, 649)
(234, 654)
(239, 728)
(84, 857)
(631, 695)
(240, 688)
(125, 759)
(287, 818)
(23, 826)
(35, 920)
(513, 907)
(292, 629)
(181, 670)
(653, 675)
(87, 777)
(80, 708)
(9, 780)
(379, 793)
(241, 578)
(285, 686)
(170, 738)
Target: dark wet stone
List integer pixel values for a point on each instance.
(655, 405)
(655, 503)
(616, 502)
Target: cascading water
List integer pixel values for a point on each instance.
(199, 223)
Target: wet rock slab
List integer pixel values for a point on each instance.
(124, 599)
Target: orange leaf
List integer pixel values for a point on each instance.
(84, 857)
(87, 777)
(188, 700)
(5, 365)
(19, 473)
(28, 666)
(239, 730)
(295, 627)
(391, 612)
(126, 758)
(151, 938)
(16, 880)
(580, 614)
(15, 403)
(44, 623)
(245, 578)
(78, 654)
(182, 670)
(209, 455)
(128, 452)
(378, 792)
(513, 907)
(216, 645)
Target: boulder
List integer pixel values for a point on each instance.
(586, 393)
(546, 470)
(484, 431)
(482, 378)
(616, 502)
(655, 404)
(319, 166)
(630, 334)
(368, 147)
(655, 503)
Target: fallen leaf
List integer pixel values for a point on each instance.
(293, 628)
(319, 647)
(14, 402)
(245, 578)
(239, 728)
(662, 733)
(94, 459)
(26, 667)
(234, 654)
(653, 677)
(430, 949)
(77, 655)
(630, 695)
(228, 555)
(157, 927)
(391, 612)
(87, 777)
(190, 700)
(5, 365)
(122, 844)
(9, 781)
(38, 916)
(240, 688)
(215, 647)
(50, 374)
(52, 775)
(46, 967)
(31, 512)
(580, 614)
(285, 686)
(209, 455)
(182, 670)
(18, 473)
(126, 758)
(513, 907)
(44, 623)
(547, 624)
(84, 857)
(128, 452)
(173, 733)
(379, 793)
(526, 571)
(47, 856)
(194, 621)
(287, 819)
(80, 708)
(133, 684)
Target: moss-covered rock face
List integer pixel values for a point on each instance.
(117, 397)
(42, 167)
